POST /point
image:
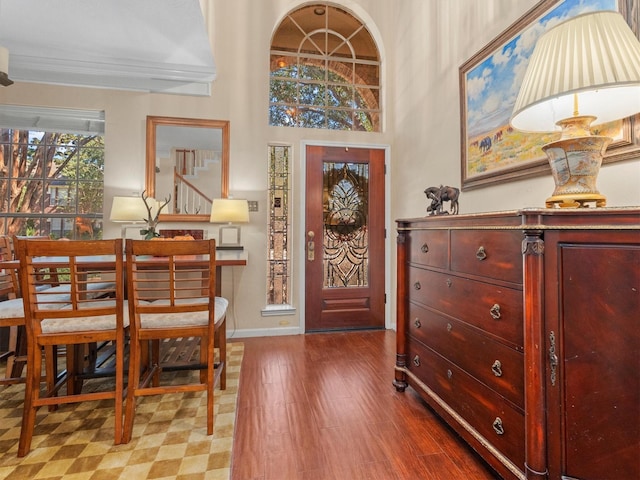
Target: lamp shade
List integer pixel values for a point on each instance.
(229, 210)
(4, 67)
(129, 209)
(594, 55)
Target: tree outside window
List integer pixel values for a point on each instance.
(51, 184)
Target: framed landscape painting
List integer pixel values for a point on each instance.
(493, 152)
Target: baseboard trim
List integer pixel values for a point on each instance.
(264, 332)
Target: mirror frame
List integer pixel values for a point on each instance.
(150, 169)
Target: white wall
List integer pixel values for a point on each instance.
(422, 45)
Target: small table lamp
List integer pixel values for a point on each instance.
(229, 211)
(584, 69)
(128, 211)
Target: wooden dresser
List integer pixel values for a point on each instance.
(511, 325)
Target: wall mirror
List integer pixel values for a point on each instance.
(187, 158)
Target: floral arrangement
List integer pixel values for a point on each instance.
(151, 220)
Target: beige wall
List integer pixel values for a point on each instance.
(422, 45)
(427, 127)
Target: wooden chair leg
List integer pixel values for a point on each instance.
(221, 343)
(70, 354)
(118, 406)
(32, 394)
(209, 347)
(20, 359)
(12, 348)
(203, 358)
(155, 361)
(132, 386)
(51, 371)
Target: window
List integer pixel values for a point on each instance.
(278, 263)
(325, 71)
(51, 181)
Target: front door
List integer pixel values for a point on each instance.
(344, 261)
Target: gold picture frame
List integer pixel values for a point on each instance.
(491, 151)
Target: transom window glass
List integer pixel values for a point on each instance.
(325, 71)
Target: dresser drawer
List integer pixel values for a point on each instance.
(492, 363)
(488, 253)
(494, 309)
(497, 420)
(429, 247)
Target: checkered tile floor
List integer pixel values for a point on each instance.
(169, 439)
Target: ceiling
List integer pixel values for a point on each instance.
(145, 45)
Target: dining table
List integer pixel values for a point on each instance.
(224, 258)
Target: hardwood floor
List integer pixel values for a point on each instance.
(322, 406)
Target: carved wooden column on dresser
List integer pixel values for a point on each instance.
(522, 330)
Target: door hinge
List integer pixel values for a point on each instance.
(385, 298)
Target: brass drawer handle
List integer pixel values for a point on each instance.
(424, 248)
(416, 360)
(417, 323)
(496, 368)
(449, 374)
(481, 254)
(417, 286)
(497, 426)
(449, 327)
(495, 311)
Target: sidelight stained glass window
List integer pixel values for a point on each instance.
(278, 263)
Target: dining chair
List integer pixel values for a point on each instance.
(11, 318)
(171, 290)
(80, 319)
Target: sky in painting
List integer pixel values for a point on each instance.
(492, 86)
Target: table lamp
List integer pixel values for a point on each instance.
(583, 69)
(229, 211)
(128, 211)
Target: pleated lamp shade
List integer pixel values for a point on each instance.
(129, 209)
(229, 210)
(594, 55)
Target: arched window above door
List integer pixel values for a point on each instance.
(324, 71)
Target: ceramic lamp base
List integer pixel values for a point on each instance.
(575, 162)
(576, 200)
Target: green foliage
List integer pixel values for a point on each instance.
(306, 95)
(50, 179)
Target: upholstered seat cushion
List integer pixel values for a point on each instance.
(188, 319)
(14, 308)
(79, 324)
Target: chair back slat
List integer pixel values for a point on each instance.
(9, 288)
(174, 276)
(89, 275)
